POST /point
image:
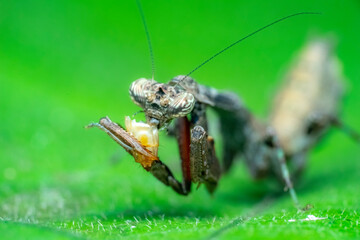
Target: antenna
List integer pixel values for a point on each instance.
(242, 39)
(147, 37)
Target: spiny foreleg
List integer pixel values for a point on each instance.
(234, 120)
(141, 154)
(205, 167)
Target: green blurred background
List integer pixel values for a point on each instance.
(64, 64)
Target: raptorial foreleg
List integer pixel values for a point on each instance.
(205, 167)
(141, 154)
(234, 120)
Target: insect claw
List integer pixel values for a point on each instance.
(112, 135)
(91, 125)
(307, 207)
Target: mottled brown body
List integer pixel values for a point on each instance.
(304, 108)
(185, 102)
(309, 99)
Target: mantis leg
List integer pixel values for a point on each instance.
(141, 155)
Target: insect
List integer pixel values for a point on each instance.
(308, 103)
(184, 101)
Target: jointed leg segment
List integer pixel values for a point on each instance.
(279, 162)
(150, 162)
(205, 167)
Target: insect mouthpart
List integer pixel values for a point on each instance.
(154, 122)
(153, 117)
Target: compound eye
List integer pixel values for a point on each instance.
(164, 102)
(138, 91)
(182, 105)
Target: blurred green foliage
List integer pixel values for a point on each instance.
(65, 63)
